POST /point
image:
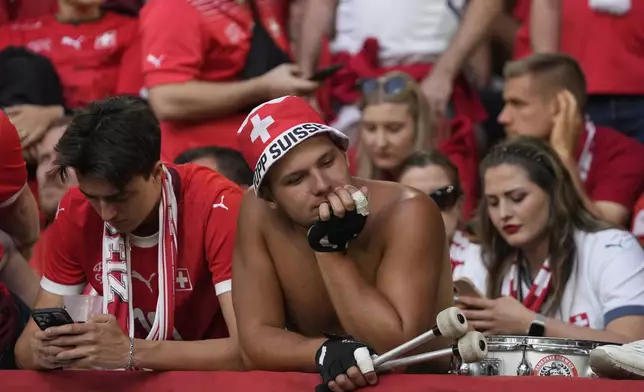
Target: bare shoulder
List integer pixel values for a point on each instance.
(392, 201)
(254, 212)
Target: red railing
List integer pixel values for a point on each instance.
(96, 381)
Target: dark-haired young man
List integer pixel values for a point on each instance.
(154, 240)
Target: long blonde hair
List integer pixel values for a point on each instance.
(415, 100)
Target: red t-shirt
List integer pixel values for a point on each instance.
(184, 41)
(611, 166)
(207, 221)
(13, 169)
(87, 56)
(583, 30)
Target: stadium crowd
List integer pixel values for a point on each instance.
(497, 146)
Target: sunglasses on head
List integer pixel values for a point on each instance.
(394, 85)
(445, 197)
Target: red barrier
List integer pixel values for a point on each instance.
(96, 381)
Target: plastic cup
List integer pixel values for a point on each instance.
(82, 307)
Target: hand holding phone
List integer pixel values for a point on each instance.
(465, 287)
(51, 317)
(324, 73)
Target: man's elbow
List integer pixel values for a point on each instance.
(164, 101)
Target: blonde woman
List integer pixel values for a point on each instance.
(396, 122)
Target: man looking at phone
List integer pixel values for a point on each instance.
(380, 279)
(155, 240)
(545, 97)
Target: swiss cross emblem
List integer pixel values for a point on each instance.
(182, 280)
(260, 128)
(580, 320)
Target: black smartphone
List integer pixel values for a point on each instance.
(324, 73)
(51, 317)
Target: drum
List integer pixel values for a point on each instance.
(532, 356)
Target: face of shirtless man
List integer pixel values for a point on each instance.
(385, 283)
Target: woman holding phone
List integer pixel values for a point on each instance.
(548, 267)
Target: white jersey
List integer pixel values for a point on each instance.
(606, 283)
(463, 252)
(404, 28)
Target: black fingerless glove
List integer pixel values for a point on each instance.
(335, 357)
(334, 235)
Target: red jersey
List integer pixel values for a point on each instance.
(190, 40)
(20, 9)
(583, 30)
(87, 56)
(611, 166)
(207, 221)
(13, 169)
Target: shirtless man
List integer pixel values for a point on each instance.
(385, 283)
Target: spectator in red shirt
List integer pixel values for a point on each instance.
(86, 47)
(18, 217)
(18, 208)
(197, 62)
(545, 97)
(616, 72)
(174, 226)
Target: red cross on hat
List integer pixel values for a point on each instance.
(273, 128)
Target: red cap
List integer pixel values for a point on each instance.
(273, 128)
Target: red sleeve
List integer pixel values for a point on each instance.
(130, 78)
(63, 274)
(620, 175)
(461, 149)
(13, 169)
(221, 228)
(172, 43)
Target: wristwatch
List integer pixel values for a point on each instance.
(538, 326)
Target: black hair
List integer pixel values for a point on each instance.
(114, 139)
(230, 163)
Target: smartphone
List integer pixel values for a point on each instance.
(324, 73)
(465, 287)
(51, 317)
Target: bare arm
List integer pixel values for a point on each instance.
(20, 220)
(214, 354)
(18, 276)
(475, 26)
(404, 301)
(545, 25)
(198, 100)
(258, 301)
(504, 29)
(317, 20)
(622, 330)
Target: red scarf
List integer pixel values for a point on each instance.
(537, 294)
(117, 282)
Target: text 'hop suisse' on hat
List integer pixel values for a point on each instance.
(275, 127)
